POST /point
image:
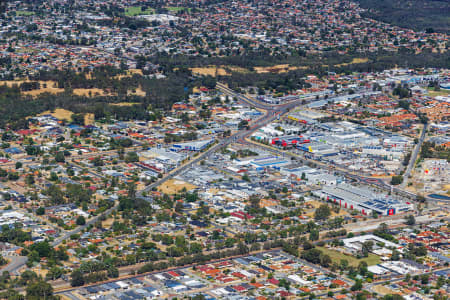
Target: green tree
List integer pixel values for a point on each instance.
(29, 179)
(40, 290)
(366, 247)
(410, 220)
(131, 157)
(397, 179)
(113, 272)
(254, 201)
(54, 273)
(357, 286)
(245, 177)
(312, 255)
(393, 297)
(81, 221)
(78, 119)
(322, 213)
(314, 235)
(77, 278)
(53, 176)
(60, 157)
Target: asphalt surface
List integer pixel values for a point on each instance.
(414, 155)
(272, 112)
(16, 262)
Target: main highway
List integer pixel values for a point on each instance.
(271, 113)
(414, 154)
(276, 110)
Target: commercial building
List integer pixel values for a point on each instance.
(192, 146)
(362, 199)
(269, 162)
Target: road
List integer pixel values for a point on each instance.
(414, 154)
(277, 109)
(77, 230)
(71, 289)
(283, 108)
(390, 280)
(15, 263)
(272, 112)
(342, 172)
(237, 136)
(369, 226)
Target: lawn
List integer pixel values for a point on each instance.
(137, 11)
(441, 92)
(24, 13)
(177, 9)
(336, 256)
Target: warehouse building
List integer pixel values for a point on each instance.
(361, 199)
(318, 149)
(269, 162)
(192, 146)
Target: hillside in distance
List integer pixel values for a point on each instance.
(430, 15)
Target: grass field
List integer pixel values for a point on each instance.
(441, 92)
(24, 13)
(336, 256)
(177, 9)
(137, 11)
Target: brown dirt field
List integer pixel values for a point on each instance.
(137, 92)
(135, 71)
(238, 69)
(277, 69)
(211, 70)
(10, 83)
(59, 113)
(354, 61)
(93, 91)
(174, 186)
(381, 289)
(89, 119)
(107, 223)
(124, 104)
(50, 87)
(40, 272)
(317, 204)
(129, 73)
(50, 90)
(223, 70)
